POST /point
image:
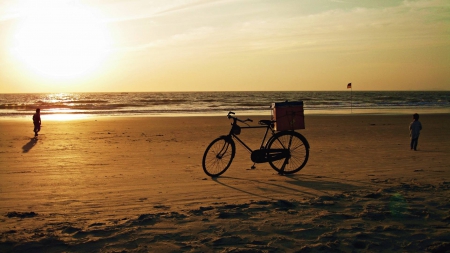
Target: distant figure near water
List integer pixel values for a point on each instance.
(37, 122)
(414, 131)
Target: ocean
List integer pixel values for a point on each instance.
(220, 103)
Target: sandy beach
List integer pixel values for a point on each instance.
(131, 184)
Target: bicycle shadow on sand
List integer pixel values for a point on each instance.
(327, 182)
(27, 147)
(301, 185)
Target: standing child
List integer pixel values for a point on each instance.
(37, 122)
(414, 131)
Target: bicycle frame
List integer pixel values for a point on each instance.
(233, 135)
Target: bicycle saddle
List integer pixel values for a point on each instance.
(266, 122)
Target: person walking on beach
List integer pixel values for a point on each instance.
(37, 122)
(414, 131)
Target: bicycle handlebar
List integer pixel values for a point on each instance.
(236, 119)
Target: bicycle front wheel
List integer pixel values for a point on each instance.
(218, 156)
(298, 154)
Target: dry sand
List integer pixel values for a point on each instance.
(137, 185)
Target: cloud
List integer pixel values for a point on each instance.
(186, 5)
(150, 9)
(192, 37)
(412, 24)
(409, 24)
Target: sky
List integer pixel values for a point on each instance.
(223, 45)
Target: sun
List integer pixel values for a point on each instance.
(61, 40)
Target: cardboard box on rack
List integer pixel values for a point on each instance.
(288, 115)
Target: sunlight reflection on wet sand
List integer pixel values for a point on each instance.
(64, 117)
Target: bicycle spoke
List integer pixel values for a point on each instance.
(298, 152)
(218, 156)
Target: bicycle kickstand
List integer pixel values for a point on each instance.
(281, 172)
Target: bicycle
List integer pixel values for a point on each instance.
(286, 151)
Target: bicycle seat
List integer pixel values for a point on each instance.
(266, 122)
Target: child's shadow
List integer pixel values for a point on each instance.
(27, 147)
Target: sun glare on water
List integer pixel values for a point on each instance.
(61, 40)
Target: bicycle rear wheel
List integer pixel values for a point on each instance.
(298, 151)
(218, 156)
